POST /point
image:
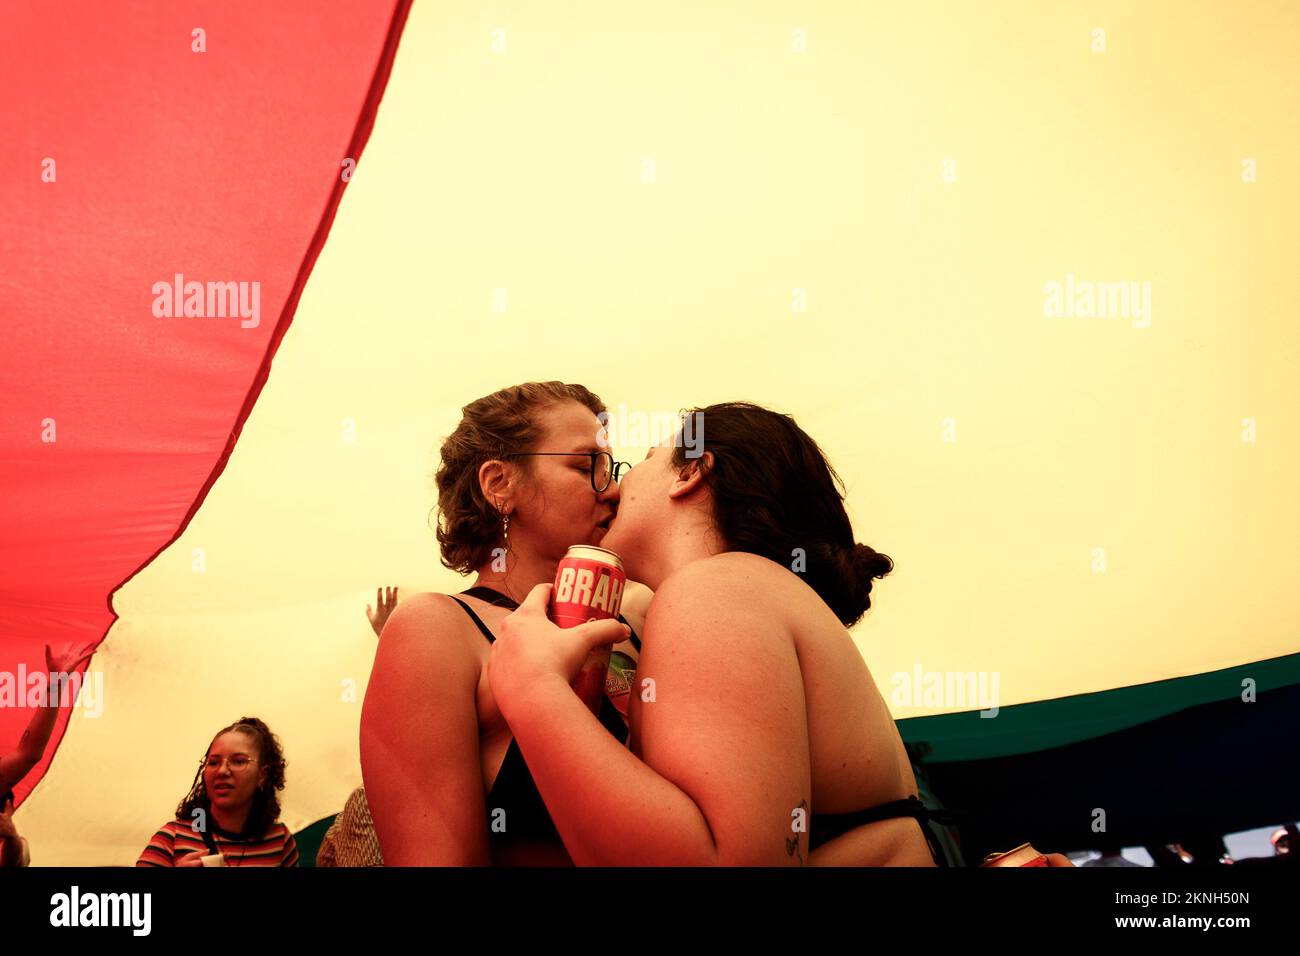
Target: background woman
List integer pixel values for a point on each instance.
(232, 810)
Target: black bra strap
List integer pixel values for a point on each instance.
(489, 596)
(474, 617)
(912, 806)
(907, 807)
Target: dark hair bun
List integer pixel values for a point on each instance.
(774, 494)
(868, 563)
(856, 568)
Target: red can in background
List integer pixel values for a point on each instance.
(1023, 855)
(589, 584)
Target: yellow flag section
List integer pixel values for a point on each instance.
(1027, 275)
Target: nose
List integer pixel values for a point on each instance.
(610, 494)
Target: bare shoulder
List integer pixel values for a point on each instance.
(731, 576)
(734, 592)
(427, 624)
(749, 586)
(424, 659)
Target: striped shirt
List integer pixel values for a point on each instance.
(275, 848)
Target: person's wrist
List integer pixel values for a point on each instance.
(533, 696)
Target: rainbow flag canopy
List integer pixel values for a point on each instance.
(1032, 291)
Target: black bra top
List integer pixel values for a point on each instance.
(823, 827)
(526, 816)
(513, 790)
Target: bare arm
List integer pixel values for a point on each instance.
(18, 762)
(11, 853)
(720, 774)
(420, 739)
(31, 746)
(10, 847)
(636, 605)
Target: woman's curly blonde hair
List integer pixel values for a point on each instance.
(469, 526)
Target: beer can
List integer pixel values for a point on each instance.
(589, 584)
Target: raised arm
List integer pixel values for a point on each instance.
(18, 762)
(420, 739)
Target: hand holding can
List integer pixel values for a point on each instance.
(589, 584)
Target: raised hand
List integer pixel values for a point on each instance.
(67, 661)
(385, 601)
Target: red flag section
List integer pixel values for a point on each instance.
(169, 174)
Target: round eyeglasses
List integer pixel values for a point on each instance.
(237, 762)
(604, 469)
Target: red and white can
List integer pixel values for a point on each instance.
(1023, 855)
(589, 584)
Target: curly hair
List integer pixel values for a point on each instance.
(505, 421)
(775, 494)
(266, 802)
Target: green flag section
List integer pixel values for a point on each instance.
(1047, 724)
(309, 840)
(1229, 764)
